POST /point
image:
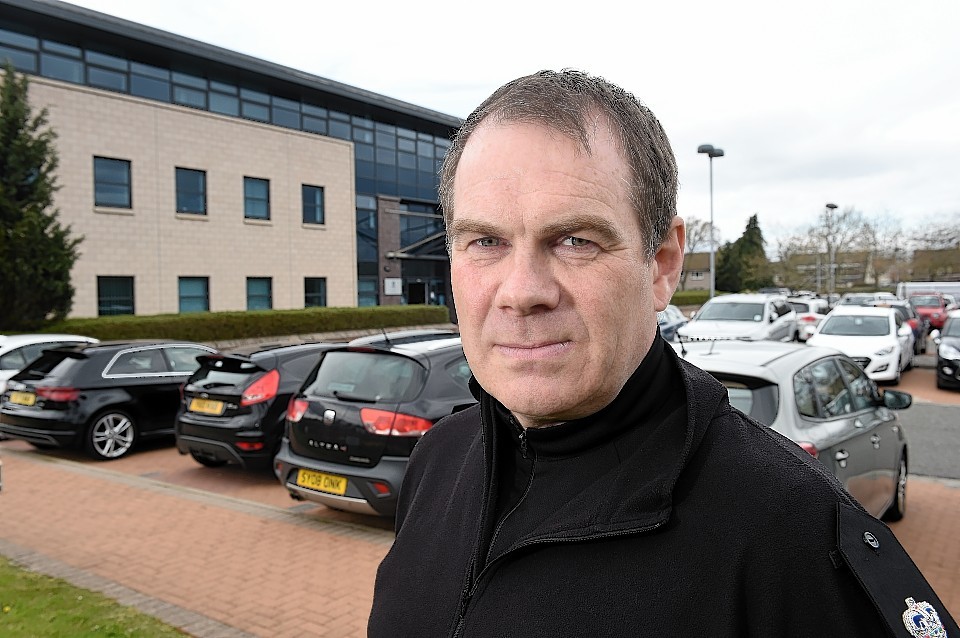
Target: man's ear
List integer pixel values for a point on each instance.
(668, 263)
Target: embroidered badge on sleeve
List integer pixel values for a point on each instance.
(922, 621)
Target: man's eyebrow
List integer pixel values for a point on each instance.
(580, 223)
(470, 226)
(562, 227)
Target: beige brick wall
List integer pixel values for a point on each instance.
(155, 245)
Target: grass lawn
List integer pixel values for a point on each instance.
(36, 606)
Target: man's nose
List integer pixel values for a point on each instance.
(528, 283)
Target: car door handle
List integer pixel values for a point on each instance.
(857, 423)
(842, 457)
(875, 439)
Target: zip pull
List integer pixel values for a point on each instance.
(523, 442)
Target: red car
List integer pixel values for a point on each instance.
(931, 306)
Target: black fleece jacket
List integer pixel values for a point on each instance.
(649, 518)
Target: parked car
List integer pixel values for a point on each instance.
(234, 406)
(16, 351)
(353, 424)
(750, 317)
(931, 306)
(101, 397)
(948, 353)
(669, 319)
(822, 400)
(865, 298)
(810, 311)
(399, 337)
(919, 325)
(876, 338)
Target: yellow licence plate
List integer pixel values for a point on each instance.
(322, 482)
(23, 398)
(206, 406)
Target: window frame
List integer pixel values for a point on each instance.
(318, 208)
(182, 209)
(248, 200)
(98, 181)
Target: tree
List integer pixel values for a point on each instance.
(36, 251)
(743, 264)
(698, 236)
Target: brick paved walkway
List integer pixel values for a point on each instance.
(212, 565)
(222, 567)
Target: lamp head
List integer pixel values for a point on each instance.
(831, 206)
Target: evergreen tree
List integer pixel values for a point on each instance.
(36, 252)
(743, 264)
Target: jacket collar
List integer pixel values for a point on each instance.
(637, 493)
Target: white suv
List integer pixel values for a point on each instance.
(746, 317)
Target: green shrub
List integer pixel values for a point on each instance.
(220, 326)
(690, 297)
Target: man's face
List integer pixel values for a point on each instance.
(556, 303)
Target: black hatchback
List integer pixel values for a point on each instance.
(101, 397)
(351, 428)
(235, 404)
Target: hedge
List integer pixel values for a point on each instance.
(690, 297)
(220, 326)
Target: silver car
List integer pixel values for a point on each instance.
(823, 401)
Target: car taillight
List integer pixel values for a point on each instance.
(810, 448)
(807, 319)
(263, 389)
(385, 422)
(61, 395)
(296, 409)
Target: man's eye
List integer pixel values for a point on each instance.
(486, 242)
(576, 242)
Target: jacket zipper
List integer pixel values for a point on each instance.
(468, 595)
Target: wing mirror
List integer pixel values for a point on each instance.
(897, 400)
(935, 335)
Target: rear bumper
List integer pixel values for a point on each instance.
(45, 428)
(360, 496)
(219, 440)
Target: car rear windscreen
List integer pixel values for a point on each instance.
(759, 400)
(221, 373)
(52, 363)
(367, 376)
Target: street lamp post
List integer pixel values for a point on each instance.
(831, 251)
(711, 152)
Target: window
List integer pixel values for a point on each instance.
(696, 275)
(183, 359)
(194, 293)
(111, 182)
(314, 292)
(312, 204)
(191, 191)
(256, 198)
(136, 363)
(259, 293)
(114, 296)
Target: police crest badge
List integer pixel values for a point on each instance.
(922, 621)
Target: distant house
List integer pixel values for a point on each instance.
(696, 271)
(935, 265)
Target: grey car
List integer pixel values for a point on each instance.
(823, 401)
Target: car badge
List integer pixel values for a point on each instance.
(922, 621)
(328, 417)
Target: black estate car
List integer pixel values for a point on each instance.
(99, 397)
(352, 426)
(235, 404)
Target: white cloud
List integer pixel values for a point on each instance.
(847, 101)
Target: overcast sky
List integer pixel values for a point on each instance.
(851, 102)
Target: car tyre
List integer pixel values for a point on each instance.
(898, 507)
(207, 461)
(111, 435)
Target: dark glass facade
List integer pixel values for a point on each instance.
(398, 147)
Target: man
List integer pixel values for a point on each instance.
(602, 486)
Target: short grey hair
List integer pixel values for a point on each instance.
(567, 101)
